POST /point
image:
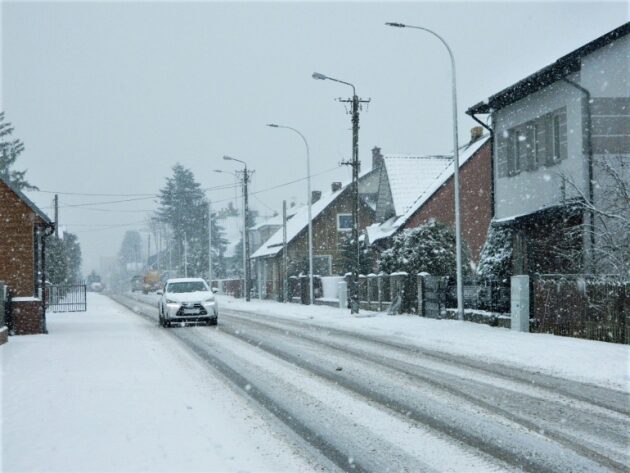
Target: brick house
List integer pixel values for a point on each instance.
(332, 220)
(423, 189)
(552, 131)
(23, 231)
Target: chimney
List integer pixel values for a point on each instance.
(377, 157)
(476, 132)
(315, 196)
(336, 186)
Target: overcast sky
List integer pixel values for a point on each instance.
(107, 97)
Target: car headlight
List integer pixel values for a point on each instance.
(209, 301)
(169, 301)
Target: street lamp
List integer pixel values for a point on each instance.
(458, 229)
(246, 175)
(310, 203)
(354, 296)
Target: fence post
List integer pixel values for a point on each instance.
(421, 311)
(342, 292)
(519, 302)
(379, 286)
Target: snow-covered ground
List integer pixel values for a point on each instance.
(600, 363)
(107, 390)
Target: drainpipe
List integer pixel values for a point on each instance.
(589, 155)
(49, 229)
(472, 115)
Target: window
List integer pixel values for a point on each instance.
(344, 222)
(536, 143)
(322, 265)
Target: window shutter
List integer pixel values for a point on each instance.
(502, 155)
(548, 121)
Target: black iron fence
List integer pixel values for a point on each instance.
(595, 308)
(66, 298)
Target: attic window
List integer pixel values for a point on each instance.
(344, 222)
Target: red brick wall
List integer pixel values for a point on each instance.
(476, 202)
(16, 243)
(28, 317)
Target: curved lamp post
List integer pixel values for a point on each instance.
(458, 230)
(310, 203)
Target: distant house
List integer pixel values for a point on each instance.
(551, 129)
(332, 221)
(23, 231)
(416, 189)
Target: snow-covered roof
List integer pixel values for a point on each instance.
(424, 192)
(408, 175)
(296, 224)
(27, 201)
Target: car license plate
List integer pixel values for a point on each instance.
(191, 311)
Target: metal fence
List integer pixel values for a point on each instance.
(66, 298)
(595, 308)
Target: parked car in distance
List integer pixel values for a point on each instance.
(187, 300)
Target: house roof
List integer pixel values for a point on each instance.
(26, 200)
(564, 66)
(300, 220)
(409, 175)
(377, 232)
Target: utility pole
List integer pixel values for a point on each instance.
(355, 102)
(148, 251)
(185, 257)
(246, 176)
(285, 257)
(209, 244)
(56, 215)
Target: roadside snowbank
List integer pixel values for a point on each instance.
(605, 364)
(108, 391)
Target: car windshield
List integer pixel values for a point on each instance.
(189, 286)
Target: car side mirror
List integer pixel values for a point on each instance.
(159, 293)
(214, 290)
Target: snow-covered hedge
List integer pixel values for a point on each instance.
(429, 248)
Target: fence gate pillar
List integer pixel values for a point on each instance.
(421, 294)
(342, 293)
(519, 301)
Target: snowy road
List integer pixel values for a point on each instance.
(368, 404)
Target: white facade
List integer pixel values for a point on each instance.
(605, 73)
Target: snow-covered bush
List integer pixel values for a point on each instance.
(495, 261)
(429, 248)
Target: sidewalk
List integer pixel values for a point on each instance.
(109, 391)
(600, 363)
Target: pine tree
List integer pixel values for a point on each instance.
(428, 248)
(347, 255)
(184, 208)
(63, 259)
(10, 150)
(495, 261)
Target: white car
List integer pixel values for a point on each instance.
(187, 300)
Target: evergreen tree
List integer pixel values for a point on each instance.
(10, 150)
(184, 208)
(495, 261)
(347, 255)
(428, 248)
(63, 259)
(131, 248)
